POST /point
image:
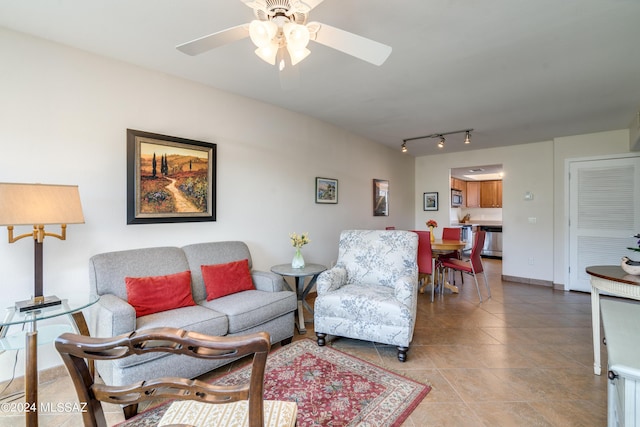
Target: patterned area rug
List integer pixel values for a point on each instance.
(331, 388)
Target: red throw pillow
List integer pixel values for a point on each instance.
(226, 279)
(159, 293)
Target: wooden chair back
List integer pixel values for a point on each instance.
(74, 349)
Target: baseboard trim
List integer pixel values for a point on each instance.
(529, 281)
(44, 376)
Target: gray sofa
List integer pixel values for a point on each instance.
(270, 307)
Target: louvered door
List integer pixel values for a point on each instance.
(604, 212)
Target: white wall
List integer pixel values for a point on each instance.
(63, 119)
(538, 168)
(525, 169)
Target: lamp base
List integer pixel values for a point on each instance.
(38, 303)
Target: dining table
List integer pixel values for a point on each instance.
(440, 246)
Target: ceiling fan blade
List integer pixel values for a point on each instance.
(349, 43)
(212, 41)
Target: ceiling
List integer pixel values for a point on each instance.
(517, 71)
(478, 172)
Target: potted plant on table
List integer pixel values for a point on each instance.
(628, 265)
(432, 224)
(298, 241)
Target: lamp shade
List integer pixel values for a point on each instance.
(39, 204)
(262, 32)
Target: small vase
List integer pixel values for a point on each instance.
(630, 266)
(298, 260)
(433, 236)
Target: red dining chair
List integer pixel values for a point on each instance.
(425, 260)
(473, 266)
(450, 233)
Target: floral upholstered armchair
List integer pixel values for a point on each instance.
(371, 293)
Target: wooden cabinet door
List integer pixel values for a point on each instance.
(473, 194)
(491, 194)
(457, 184)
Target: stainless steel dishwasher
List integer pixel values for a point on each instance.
(492, 241)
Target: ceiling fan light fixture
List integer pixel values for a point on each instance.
(268, 53)
(297, 35)
(297, 55)
(262, 32)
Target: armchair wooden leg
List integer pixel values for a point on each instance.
(402, 353)
(321, 339)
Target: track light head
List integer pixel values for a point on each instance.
(467, 138)
(441, 142)
(404, 147)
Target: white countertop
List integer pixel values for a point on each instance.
(478, 223)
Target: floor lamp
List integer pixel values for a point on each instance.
(39, 205)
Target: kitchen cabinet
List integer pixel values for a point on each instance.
(458, 184)
(491, 194)
(473, 194)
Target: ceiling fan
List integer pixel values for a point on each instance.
(281, 33)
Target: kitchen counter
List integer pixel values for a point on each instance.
(478, 223)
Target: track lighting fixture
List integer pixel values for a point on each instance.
(467, 138)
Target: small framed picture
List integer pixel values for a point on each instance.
(380, 197)
(326, 190)
(431, 201)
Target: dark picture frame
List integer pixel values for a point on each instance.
(169, 179)
(326, 190)
(380, 197)
(430, 201)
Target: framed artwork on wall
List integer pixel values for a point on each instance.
(326, 190)
(430, 201)
(169, 179)
(380, 197)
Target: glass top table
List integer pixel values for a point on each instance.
(71, 307)
(13, 316)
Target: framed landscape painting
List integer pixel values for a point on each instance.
(169, 179)
(326, 190)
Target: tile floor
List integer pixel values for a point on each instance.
(522, 358)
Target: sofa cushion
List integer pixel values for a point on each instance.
(212, 253)
(195, 318)
(226, 279)
(248, 309)
(108, 270)
(154, 294)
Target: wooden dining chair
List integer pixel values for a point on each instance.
(472, 266)
(197, 403)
